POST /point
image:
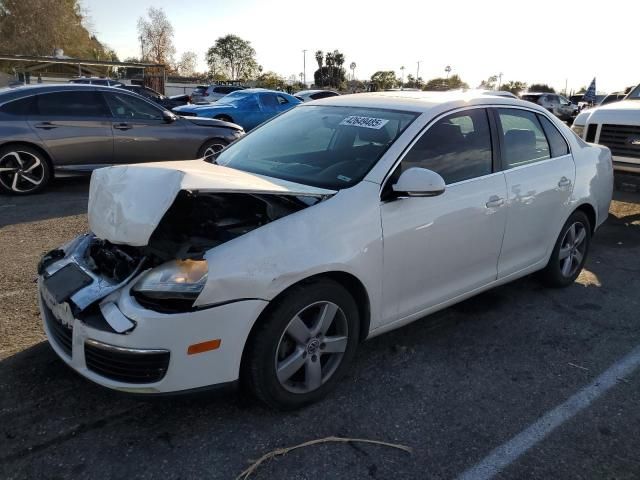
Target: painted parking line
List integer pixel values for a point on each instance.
(507, 453)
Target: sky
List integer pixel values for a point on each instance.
(538, 42)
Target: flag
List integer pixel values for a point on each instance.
(590, 94)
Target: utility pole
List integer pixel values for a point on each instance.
(402, 78)
(417, 74)
(499, 80)
(304, 67)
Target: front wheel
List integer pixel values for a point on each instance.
(304, 345)
(211, 148)
(570, 252)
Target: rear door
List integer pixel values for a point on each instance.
(540, 173)
(75, 127)
(141, 134)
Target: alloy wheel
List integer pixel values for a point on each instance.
(311, 348)
(212, 149)
(572, 249)
(21, 171)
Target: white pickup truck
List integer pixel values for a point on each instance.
(617, 126)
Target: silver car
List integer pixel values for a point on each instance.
(560, 106)
(211, 93)
(68, 129)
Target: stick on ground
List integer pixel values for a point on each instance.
(283, 451)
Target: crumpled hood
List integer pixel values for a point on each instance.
(127, 202)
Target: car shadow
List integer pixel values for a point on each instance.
(62, 198)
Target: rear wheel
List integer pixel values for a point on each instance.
(23, 170)
(304, 345)
(570, 252)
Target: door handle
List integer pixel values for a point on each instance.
(45, 125)
(495, 201)
(564, 182)
(122, 126)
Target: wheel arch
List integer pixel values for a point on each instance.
(590, 212)
(350, 282)
(35, 146)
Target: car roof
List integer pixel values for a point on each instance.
(311, 92)
(419, 101)
(13, 93)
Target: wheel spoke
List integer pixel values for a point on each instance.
(290, 365)
(582, 234)
(8, 169)
(572, 234)
(578, 256)
(36, 163)
(29, 179)
(334, 344)
(14, 184)
(16, 156)
(325, 319)
(298, 331)
(312, 374)
(566, 266)
(564, 253)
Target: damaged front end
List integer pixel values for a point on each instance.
(171, 268)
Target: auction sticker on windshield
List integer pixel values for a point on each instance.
(366, 122)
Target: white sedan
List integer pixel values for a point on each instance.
(332, 223)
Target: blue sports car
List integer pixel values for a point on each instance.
(247, 108)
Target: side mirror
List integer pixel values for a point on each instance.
(419, 182)
(168, 116)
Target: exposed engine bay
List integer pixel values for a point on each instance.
(195, 223)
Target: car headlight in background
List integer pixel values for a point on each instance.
(578, 129)
(175, 280)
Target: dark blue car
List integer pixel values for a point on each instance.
(247, 108)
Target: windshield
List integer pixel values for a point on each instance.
(634, 94)
(323, 146)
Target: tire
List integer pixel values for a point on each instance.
(224, 118)
(212, 147)
(569, 253)
(23, 170)
(289, 362)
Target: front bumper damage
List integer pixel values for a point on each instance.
(104, 334)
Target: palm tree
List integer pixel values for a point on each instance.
(320, 60)
(330, 61)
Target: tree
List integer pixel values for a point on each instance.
(454, 82)
(489, 83)
(156, 36)
(582, 90)
(332, 73)
(186, 66)
(514, 87)
(383, 79)
(234, 56)
(37, 27)
(541, 87)
(271, 80)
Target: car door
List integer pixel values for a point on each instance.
(141, 133)
(438, 248)
(75, 128)
(540, 172)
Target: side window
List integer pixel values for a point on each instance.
(18, 107)
(70, 104)
(523, 138)
(458, 147)
(269, 102)
(557, 142)
(130, 107)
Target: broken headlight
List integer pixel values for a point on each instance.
(175, 280)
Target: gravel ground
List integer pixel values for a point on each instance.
(453, 386)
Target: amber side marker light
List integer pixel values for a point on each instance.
(204, 346)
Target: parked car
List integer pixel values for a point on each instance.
(334, 222)
(248, 108)
(212, 93)
(308, 95)
(556, 104)
(612, 98)
(617, 126)
(107, 82)
(181, 99)
(150, 94)
(50, 130)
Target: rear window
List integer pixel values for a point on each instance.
(531, 98)
(18, 107)
(200, 89)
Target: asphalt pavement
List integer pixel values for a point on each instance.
(521, 381)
